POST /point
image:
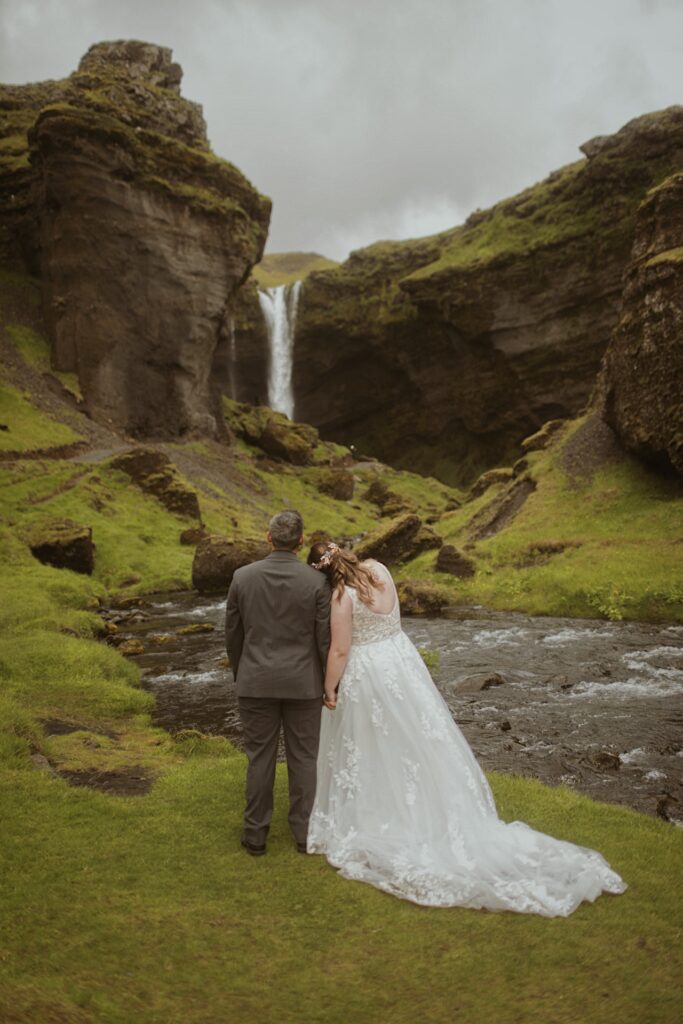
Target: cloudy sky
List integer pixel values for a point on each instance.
(369, 119)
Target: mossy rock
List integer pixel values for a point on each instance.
(217, 558)
(64, 545)
(400, 540)
(488, 479)
(417, 598)
(542, 438)
(454, 562)
(337, 483)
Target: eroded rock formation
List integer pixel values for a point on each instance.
(641, 383)
(141, 235)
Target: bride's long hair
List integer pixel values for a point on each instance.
(343, 568)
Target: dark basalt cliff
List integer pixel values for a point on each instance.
(641, 384)
(140, 234)
(443, 353)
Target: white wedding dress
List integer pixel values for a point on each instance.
(401, 802)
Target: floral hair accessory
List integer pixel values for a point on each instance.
(326, 556)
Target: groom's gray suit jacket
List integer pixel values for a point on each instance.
(277, 628)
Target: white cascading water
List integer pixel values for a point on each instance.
(279, 306)
(233, 360)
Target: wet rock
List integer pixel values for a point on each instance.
(452, 561)
(422, 598)
(337, 483)
(400, 540)
(605, 760)
(162, 639)
(196, 627)
(505, 725)
(480, 681)
(155, 474)
(63, 544)
(125, 603)
(667, 807)
(132, 647)
(216, 559)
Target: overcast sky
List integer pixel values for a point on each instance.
(371, 119)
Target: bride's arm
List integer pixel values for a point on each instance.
(341, 613)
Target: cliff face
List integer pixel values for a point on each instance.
(641, 383)
(140, 234)
(442, 354)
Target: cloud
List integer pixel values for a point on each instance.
(382, 118)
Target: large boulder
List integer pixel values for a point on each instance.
(216, 559)
(141, 235)
(418, 598)
(64, 545)
(398, 541)
(640, 391)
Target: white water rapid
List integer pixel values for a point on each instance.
(279, 306)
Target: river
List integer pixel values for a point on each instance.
(592, 704)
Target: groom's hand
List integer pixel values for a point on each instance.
(330, 700)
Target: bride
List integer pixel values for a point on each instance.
(401, 802)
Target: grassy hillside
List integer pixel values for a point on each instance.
(286, 267)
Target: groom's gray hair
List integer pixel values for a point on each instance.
(286, 529)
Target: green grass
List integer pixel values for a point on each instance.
(287, 267)
(29, 427)
(35, 351)
(625, 560)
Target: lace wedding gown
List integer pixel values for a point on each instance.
(402, 804)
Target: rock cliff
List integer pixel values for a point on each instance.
(640, 390)
(140, 234)
(443, 353)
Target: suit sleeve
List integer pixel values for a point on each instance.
(322, 622)
(234, 628)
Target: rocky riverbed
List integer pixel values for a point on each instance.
(592, 704)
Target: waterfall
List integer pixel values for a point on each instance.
(233, 359)
(279, 307)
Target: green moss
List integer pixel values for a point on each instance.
(667, 256)
(28, 427)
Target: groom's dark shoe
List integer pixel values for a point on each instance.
(301, 847)
(255, 851)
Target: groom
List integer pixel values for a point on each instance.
(277, 631)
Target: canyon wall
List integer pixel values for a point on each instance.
(441, 354)
(140, 234)
(640, 390)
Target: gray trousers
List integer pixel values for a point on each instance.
(261, 720)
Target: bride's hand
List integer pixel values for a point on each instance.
(330, 700)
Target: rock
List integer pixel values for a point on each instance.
(155, 474)
(64, 545)
(501, 510)
(605, 760)
(519, 467)
(276, 435)
(130, 581)
(216, 559)
(479, 682)
(542, 438)
(505, 725)
(400, 540)
(452, 561)
(487, 479)
(452, 504)
(162, 639)
(418, 598)
(640, 390)
(285, 442)
(193, 535)
(196, 627)
(120, 169)
(132, 647)
(338, 483)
